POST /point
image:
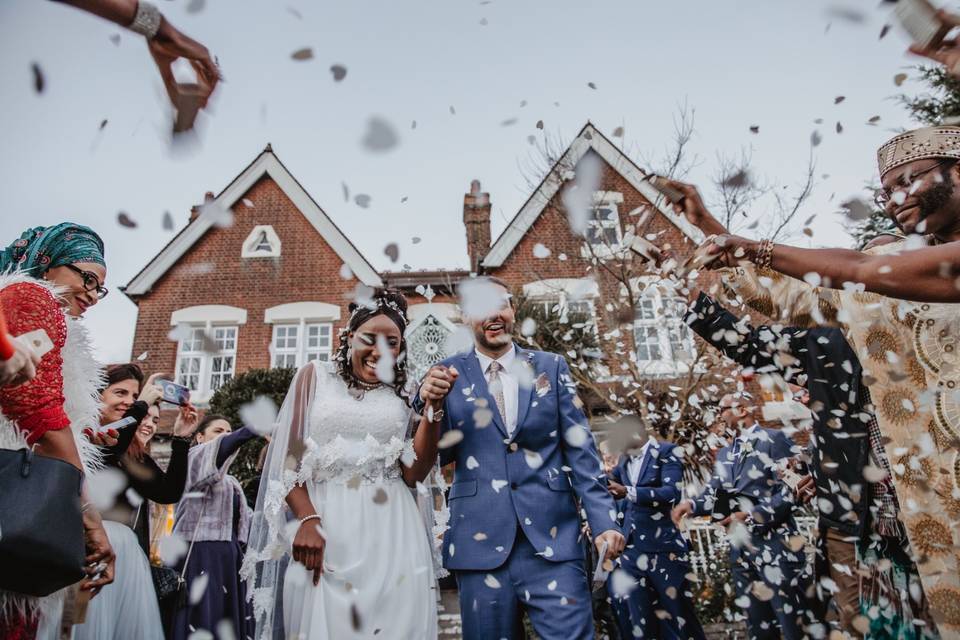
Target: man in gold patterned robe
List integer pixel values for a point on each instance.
(910, 352)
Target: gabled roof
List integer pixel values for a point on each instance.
(588, 138)
(266, 163)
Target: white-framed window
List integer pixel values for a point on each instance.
(261, 242)
(603, 225)
(660, 335)
(206, 358)
(295, 344)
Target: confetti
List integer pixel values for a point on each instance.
(577, 196)
(125, 220)
(755, 129)
(618, 132)
(39, 82)
(498, 484)
(884, 31)
(815, 138)
(839, 127)
(899, 79)
(198, 587)
(392, 251)
(339, 72)
(380, 135)
(540, 251)
(171, 548)
(260, 416)
(450, 438)
(143, 356)
(103, 124)
(346, 272)
(472, 463)
(384, 368)
(453, 111)
(362, 200)
(414, 239)
(115, 39)
(592, 85)
(380, 497)
(195, 6)
(491, 581)
(539, 124)
(167, 221)
(302, 54)
(839, 99)
(509, 122)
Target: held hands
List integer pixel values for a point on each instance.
(308, 546)
(738, 516)
(151, 392)
(437, 384)
(947, 52)
(22, 365)
(616, 489)
(693, 208)
(806, 489)
(615, 543)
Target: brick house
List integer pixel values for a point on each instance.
(285, 273)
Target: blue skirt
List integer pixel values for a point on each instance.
(225, 597)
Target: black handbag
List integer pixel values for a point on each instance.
(169, 585)
(41, 524)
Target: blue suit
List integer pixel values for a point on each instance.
(513, 539)
(656, 553)
(752, 477)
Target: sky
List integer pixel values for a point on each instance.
(461, 70)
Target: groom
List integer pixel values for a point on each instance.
(524, 456)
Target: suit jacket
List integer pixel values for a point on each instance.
(526, 479)
(646, 522)
(753, 479)
(833, 381)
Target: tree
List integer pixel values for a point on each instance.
(879, 223)
(239, 391)
(940, 104)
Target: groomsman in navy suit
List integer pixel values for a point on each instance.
(648, 481)
(511, 420)
(768, 561)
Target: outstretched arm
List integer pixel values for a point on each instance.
(923, 275)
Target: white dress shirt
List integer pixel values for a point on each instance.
(634, 466)
(510, 382)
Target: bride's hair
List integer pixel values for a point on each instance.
(387, 302)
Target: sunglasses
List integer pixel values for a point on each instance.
(90, 281)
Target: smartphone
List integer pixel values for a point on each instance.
(174, 393)
(919, 19)
(38, 340)
(119, 424)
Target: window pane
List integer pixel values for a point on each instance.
(188, 372)
(648, 344)
(647, 309)
(226, 338)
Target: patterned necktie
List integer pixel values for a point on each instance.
(495, 384)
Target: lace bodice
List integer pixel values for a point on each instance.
(351, 440)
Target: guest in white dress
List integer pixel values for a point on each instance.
(339, 496)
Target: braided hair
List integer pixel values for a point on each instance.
(387, 302)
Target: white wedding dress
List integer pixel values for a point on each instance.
(379, 578)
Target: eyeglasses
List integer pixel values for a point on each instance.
(90, 282)
(883, 196)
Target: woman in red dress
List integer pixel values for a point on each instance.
(49, 277)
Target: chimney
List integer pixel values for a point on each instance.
(476, 220)
(195, 209)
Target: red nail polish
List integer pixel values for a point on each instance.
(113, 433)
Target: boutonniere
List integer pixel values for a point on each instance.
(746, 448)
(542, 385)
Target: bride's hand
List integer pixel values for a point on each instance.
(308, 547)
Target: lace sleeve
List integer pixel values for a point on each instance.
(36, 406)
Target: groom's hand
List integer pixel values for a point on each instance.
(615, 543)
(437, 384)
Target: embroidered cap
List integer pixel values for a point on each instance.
(919, 144)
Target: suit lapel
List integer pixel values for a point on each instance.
(524, 393)
(652, 450)
(480, 390)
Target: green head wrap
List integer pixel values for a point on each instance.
(43, 248)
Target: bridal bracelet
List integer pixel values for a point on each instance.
(308, 518)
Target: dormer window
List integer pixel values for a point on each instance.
(262, 242)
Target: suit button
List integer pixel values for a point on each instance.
(513, 485)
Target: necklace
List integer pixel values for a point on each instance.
(358, 388)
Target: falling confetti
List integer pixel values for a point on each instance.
(346, 191)
(540, 251)
(260, 416)
(103, 124)
(592, 85)
(873, 120)
(884, 31)
(339, 72)
(196, 6)
(362, 200)
(618, 132)
(248, 203)
(754, 129)
(115, 39)
(380, 135)
(143, 356)
(167, 221)
(509, 122)
(415, 240)
(539, 124)
(392, 251)
(198, 587)
(899, 79)
(38, 80)
(125, 220)
(577, 196)
(815, 138)
(302, 54)
(453, 111)
(839, 128)
(839, 99)
(856, 209)
(296, 14)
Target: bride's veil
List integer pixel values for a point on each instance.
(288, 462)
(269, 544)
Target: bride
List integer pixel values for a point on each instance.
(338, 547)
